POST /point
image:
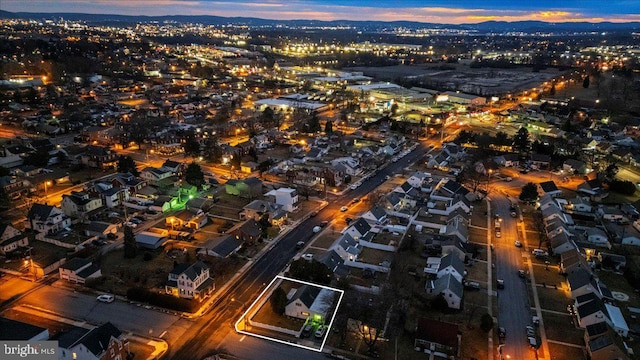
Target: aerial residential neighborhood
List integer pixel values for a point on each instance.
(214, 187)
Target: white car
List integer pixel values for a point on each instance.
(307, 257)
(106, 298)
(518, 243)
(353, 186)
(316, 229)
(344, 208)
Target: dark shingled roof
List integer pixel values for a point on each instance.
(18, 330)
(227, 246)
(75, 264)
(437, 332)
(548, 186)
(306, 294)
(39, 211)
(192, 271)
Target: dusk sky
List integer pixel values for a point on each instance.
(438, 11)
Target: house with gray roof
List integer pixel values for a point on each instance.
(18, 330)
(223, 246)
(549, 188)
(358, 229)
(376, 215)
(348, 248)
(78, 270)
(258, 208)
(308, 301)
(190, 281)
(11, 239)
(602, 344)
(447, 286)
(103, 342)
(451, 264)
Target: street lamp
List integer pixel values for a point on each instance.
(46, 192)
(489, 179)
(237, 132)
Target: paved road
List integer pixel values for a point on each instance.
(211, 330)
(514, 312)
(80, 306)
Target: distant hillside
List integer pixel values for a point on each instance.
(483, 27)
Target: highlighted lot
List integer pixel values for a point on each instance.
(292, 312)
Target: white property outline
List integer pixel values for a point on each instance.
(326, 336)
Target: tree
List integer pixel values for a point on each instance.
(38, 158)
(486, 322)
(611, 171)
(253, 153)
(127, 164)
(212, 150)
(328, 127)
(566, 126)
(624, 187)
(529, 192)
(313, 271)
(394, 109)
(194, 175)
(314, 124)
(130, 245)
(191, 146)
(268, 116)
(278, 301)
(264, 224)
(552, 91)
(521, 141)
(585, 82)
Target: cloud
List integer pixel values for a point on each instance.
(383, 10)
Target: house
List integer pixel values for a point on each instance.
(570, 261)
(248, 231)
(100, 229)
(359, 229)
(449, 287)
(610, 213)
(223, 246)
(332, 260)
(154, 175)
(258, 208)
(601, 343)
(287, 197)
(46, 220)
(579, 204)
(581, 281)
(618, 323)
(174, 167)
(457, 226)
(591, 312)
(573, 166)
(190, 281)
(105, 342)
(79, 204)
(376, 215)
(591, 187)
(11, 239)
(348, 248)
(596, 237)
(309, 302)
(540, 161)
(451, 264)
(99, 157)
(250, 187)
(14, 330)
(418, 179)
(151, 239)
(434, 336)
(507, 160)
(190, 219)
(78, 270)
(128, 181)
(550, 188)
(112, 196)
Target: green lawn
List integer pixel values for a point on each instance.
(560, 328)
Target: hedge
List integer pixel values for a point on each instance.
(162, 300)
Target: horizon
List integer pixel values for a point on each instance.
(438, 11)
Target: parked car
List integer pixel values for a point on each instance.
(306, 331)
(471, 285)
(314, 213)
(299, 244)
(522, 274)
(316, 229)
(531, 331)
(320, 332)
(518, 243)
(106, 298)
(344, 208)
(502, 332)
(539, 253)
(307, 257)
(533, 343)
(500, 283)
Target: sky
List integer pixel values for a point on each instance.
(435, 11)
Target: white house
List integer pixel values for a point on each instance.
(376, 215)
(79, 203)
(11, 239)
(451, 264)
(309, 301)
(618, 323)
(449, 287)
(46, 219)
(287, 197)
(597, 237)
(348, 248)
(418, 178)
(358, 229)
(190, 281)
(78, 270)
